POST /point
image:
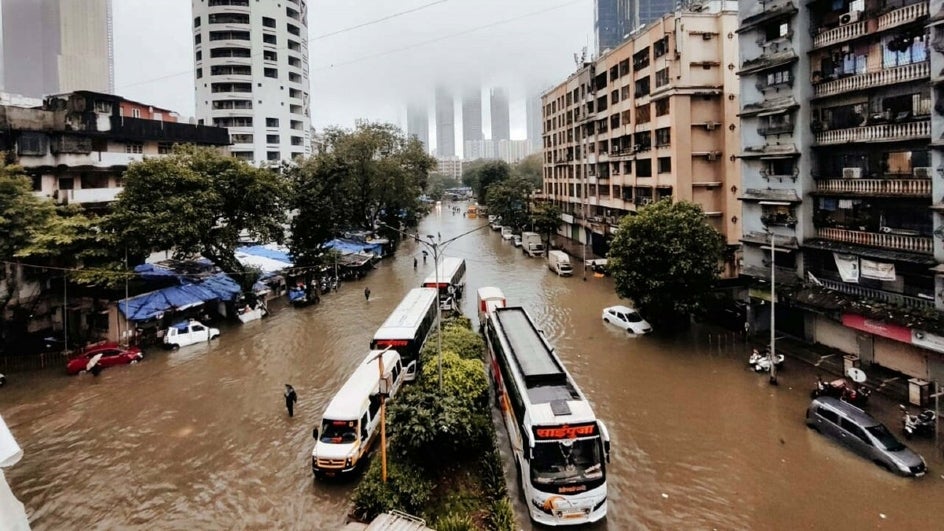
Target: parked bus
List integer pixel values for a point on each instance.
(407, 327)
(351, 422)
(561, 449)
(450, 281)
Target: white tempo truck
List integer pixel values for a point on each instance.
(559, 262)
(531, 244)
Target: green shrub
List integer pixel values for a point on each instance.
(455, 522)
(493, 475)
(502, 517)
(406, 489)
(458, 338)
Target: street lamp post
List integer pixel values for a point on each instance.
(773, 297)
(383, 390)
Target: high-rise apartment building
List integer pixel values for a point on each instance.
(654, 118)
(417, 123)
(533, 121)
(445, 124)
(841, 122)
(614, 20)
(251, 75)
(472, 115)
(500, 114)
(57, 46)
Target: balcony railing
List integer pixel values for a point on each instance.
(913, 244)
(896, 187)
(839, 34)
(875, 133)
(889, 76)
(88, 195)
(902, 15)
(861, 292)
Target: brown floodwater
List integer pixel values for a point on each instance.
(199, 438)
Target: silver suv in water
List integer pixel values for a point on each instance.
(864, 435)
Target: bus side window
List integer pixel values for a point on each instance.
(396, 372)
(374, 406)
(364, 426)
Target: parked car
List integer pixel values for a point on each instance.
(187, 333)
(105, 355)
(516, 239)
(864, 435)
(626, 318)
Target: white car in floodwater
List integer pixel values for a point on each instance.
(626, 318)
(187, 333)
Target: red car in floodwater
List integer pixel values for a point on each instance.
(112, 354)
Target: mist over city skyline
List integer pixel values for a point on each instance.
(371, 72)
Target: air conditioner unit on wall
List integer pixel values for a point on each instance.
(852, 173)
(711, 125)
(849, 18)
(922, 172)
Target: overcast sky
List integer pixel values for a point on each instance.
(371, 72)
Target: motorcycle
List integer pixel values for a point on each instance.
(921, 424)
(761, 362)
(857, 395)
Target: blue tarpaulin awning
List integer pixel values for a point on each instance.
(345, 246)
(150, 305)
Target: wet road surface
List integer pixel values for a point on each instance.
(199, 438)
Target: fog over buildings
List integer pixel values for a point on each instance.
(374, 71)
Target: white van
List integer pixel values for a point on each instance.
(187, 333)
(559, 262)
(531, 244)
(506, 233)
(351, 422)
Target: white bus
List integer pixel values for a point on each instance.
(407, 328)
(561, 449)
(351, 422)
(450, 281)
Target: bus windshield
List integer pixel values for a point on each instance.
(338, 431)
(566, 461)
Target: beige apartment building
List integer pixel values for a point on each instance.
(656, 117)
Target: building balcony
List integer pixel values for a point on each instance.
(897, 242)
(99, 160)
(902, 15)
(840, 34)
(763, 12)
(861, 292)
(767, 61)
(87, 195)
(876, 133)
(875, 187)
(889, 76)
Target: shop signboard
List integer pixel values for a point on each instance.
(879, 328)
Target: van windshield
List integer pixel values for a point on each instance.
(338, 431)
(885, 438)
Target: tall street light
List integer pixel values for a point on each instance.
(773, 297)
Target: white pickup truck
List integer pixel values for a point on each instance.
(187, 333)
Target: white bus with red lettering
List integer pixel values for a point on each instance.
(561, 449)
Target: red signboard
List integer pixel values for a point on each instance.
(879, 328)
(565, 431)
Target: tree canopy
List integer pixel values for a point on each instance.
(480, 175)
(509, 199)
(199, 201)
(666, 260)
(531, 169)
(437, 184)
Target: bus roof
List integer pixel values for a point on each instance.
(448, 267)
(346, 404)
(407, 316)
(490, 293)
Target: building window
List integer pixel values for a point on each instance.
(660, 47)
(268, 22)
(272, 122)
(269, 55)
(273, 155)
(662, 77)
(294, 93)
(198, 38)
(294, 46)
(296, 125)
(298, 141)
(904, 49)
(644, 168)
(228, 18)
(199, 55)
(243, 155)
(272, 139)
(219, 105)
(780, 77)
(295, 78)
(134, 147)
(623, 67)
(665, 164)
(294, 61)
(663, 136)
(662, 107)
(642, 114)
(135, 112)
(230, 52)
(240, 138)
(102, 107)
(293, 30)
(230, 70)
(199, 73)
(269, 39)
(235, 121)
(271, 72)
(641, 59)
(32, 144)
(614, 121)
(196, 22)
(164, 147)
(642, 87)
(229, 35)
(614, 72)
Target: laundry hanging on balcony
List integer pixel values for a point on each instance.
(848, 266)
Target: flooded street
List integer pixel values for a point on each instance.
(199, 438)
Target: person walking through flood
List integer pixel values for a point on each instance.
(366, 294)
(290, 399)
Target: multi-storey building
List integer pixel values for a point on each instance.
(77, 146)
(417, 124)
(450, 166)
(841, 174)
(533, 120)
(251, 75)
(472, 115)
(510, 151)
(445, 123)
(500, 114)
(654, 118)
(614, 20)
(56, 46)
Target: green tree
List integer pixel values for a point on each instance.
(199, 201)
(381, 173)
(320, 204)
(437, 184)
(546, 219)
(481, 176)
(531, 169)
(666, 260)
(509, 200)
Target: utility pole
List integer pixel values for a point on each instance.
(773, 297)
